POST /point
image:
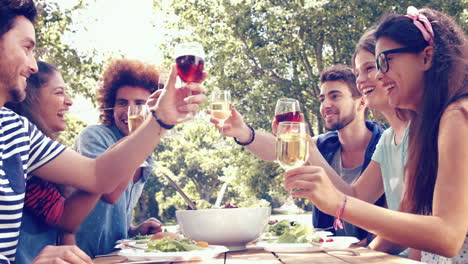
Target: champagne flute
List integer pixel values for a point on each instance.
(220, 104)
(292, 146)
(163, 76)
(136, 116)
(189, 58)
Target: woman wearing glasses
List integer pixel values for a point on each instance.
(423, 65)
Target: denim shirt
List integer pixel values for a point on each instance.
(328, 144)
(34, 236)
(108, 223)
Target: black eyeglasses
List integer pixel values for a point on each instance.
(382, 61)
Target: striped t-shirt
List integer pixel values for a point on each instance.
(23, 148)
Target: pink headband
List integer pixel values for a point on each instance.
(422, 23)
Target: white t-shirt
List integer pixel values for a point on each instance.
(23, 148)
(392, 160)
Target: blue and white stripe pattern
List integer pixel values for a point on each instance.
(23, 148)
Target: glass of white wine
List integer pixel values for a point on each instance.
(136, 116)
(292, 146)
(220, 105)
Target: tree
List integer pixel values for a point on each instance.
(265, 49)
(200, 167)
(80, 71)
(74, 127)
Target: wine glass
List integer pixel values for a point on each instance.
(163, 77)
(287, 109)
(292, 146)
(220, 104)
(189, 58)
(136, 116)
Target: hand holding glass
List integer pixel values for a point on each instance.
(292, 144)
(190, 62)
(136, 116)
(221, 106)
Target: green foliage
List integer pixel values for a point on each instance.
(74, 127)
(262, 50)
(80, 71)
(200, 167)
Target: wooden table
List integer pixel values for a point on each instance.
(256, 255)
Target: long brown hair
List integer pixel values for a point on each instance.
(446, 79)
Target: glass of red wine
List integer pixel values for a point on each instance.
(190, 62)
(189, 58)
(287, 109)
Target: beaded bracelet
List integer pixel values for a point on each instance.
(338, 224)
(251, 138)
(161, 123)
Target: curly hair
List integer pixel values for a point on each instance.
(123, 72)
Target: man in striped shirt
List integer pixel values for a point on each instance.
(24, 149)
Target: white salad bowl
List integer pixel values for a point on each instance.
(230, 227)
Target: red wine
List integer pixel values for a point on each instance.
(289, 116)
(190, 68)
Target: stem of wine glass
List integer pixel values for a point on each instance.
(190, 115)
(221, 123)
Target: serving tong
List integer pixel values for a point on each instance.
(190, 203)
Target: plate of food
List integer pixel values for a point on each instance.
(138, 238)
(286, 231)
(169, 249)
(327, 244)
(286, 236)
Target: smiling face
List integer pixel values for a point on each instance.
(127, 95)
(54, 103)
(403, 83)
(337, 105)
(17, 60)
(372, 90)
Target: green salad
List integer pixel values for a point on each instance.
(169, 244)
(141, 237)
(291, 232)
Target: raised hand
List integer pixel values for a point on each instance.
(311, 182)
(234, 126)
(62, 254)
(174, 103)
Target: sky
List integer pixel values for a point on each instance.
(128, 27)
